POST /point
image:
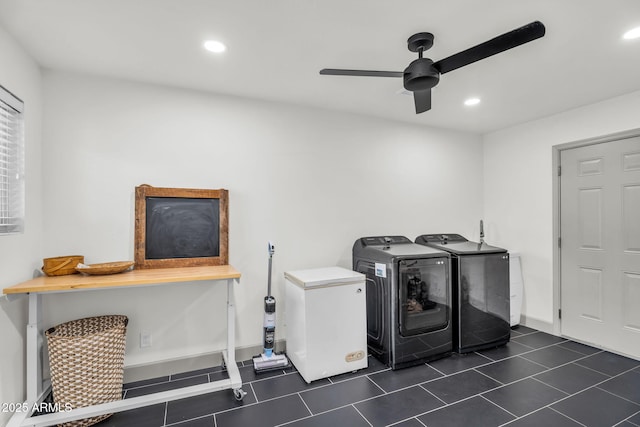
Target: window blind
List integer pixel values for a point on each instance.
(11, 163)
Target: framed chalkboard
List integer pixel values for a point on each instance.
(181, 227)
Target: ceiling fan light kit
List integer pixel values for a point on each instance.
(423, 74)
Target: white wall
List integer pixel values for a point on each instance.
(518, 200)
(309, 180)
(20, 254)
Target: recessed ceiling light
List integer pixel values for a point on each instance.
(634, 33)
(472, 101)
(214, 46)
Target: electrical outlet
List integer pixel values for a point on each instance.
(145, 339)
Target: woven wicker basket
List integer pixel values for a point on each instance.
(62, 265)
(86, 358)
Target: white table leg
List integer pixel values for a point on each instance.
(231, 324)
(34, 348)
(230, 354)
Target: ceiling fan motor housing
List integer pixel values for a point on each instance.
(421, 75)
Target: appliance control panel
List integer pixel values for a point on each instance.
(443, 238)
(384, 240)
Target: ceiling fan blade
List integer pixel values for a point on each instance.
(489, 48)
(422, 99)
(364, 73)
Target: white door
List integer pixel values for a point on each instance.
(600, 244)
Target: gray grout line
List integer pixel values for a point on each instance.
(524, 345)
(543, 365)
(594, 370)
(482, 355)
(566, 416)
(376, 384)
(362, 415)
(437, 370)
(549, 385)
(631, 416)
(404, 420)
(504, 409)
(491, 378)
(613, 394)
(305, 405)
(255, 396)
(148, 385)
(415, 417)
(166, 409)
(600, 372)
(190, 419)
(432, 394)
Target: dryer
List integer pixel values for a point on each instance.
(408, 289)
(480, 275)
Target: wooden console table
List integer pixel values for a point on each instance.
(37, 389)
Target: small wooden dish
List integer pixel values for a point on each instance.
(105, 267)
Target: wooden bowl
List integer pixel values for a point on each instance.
(105, 267)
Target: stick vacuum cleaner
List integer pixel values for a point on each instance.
(269, 360)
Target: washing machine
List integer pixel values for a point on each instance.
(408, 289)
(480, 276)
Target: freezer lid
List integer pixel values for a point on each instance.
(323, 277)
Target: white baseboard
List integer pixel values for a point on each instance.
(538, 324)
(190, 363)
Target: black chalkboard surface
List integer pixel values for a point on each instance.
(181, 227)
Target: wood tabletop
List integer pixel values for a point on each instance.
(128, 278)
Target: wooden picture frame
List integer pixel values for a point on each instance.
(181, 227)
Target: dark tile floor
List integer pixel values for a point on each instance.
(535, 380)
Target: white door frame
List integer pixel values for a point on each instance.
(557, 149)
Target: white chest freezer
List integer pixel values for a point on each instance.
(326, 321)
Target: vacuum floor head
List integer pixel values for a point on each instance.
(263, 363)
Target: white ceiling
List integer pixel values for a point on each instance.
(276, 48)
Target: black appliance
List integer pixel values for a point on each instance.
(408, 300)
(480, 276)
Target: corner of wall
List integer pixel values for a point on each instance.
(21, 253)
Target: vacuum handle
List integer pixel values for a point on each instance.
(272, 250)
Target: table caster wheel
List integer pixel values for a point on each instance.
(239, 393)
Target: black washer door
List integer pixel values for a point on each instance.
(424, 295)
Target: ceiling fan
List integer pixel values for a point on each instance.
(423, 74)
